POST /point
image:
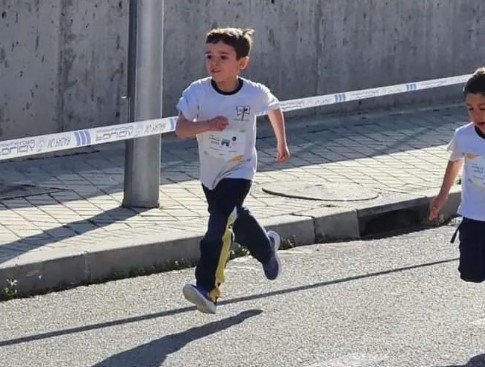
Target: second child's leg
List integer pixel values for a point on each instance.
(472, 250)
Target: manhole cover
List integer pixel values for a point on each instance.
(323, 191)
(20, 191)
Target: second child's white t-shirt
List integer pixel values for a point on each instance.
(467, 143)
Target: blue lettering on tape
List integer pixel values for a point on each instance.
(78, 138)
(17, 148)
(114, 134)
(60, 142)
(340, 97)
(88, 136)
(157, 127)
(83, 138)
(411, 87)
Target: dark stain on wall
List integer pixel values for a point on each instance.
(2, 120)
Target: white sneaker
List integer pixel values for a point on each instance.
(199, 298)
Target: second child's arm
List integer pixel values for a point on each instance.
(187, 129)
(451, 172)
(278, 123)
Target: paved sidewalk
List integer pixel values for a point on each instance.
(61, 220)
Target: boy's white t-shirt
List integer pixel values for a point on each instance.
(468, 144)
(230, 153)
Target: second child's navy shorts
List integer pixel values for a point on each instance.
(472, 250)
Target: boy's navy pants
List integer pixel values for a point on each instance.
(472, 250)
(227, 216)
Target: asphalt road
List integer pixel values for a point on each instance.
(395, 301)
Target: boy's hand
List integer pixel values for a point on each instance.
(218, 123)
(436, 205)
(282, 152)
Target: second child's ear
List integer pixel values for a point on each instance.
(243, 62)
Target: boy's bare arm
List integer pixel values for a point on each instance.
(187, 129)
(278, 123)
(451, 172)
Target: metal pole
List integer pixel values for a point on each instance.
(145, 72)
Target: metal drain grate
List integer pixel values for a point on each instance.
(323, 191)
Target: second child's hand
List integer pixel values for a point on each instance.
(436, 205)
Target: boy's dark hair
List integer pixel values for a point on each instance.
(476, 83)
(239, 39)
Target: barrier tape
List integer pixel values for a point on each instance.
(28, 146)
(301, 103)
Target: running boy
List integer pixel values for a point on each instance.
(468, 147)
(221, 111)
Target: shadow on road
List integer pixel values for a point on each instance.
(477, 361)
(154, 353)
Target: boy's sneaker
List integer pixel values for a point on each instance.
(199, 298)
(273, 267)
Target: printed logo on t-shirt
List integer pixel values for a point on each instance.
(475, 169)
(227, 145)
(243, 113)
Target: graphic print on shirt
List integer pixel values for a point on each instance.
(230, 144)
(475, 169)
(227, 145)
(243, 113)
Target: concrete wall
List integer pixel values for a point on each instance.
(29, 48)
(92, 61)
(63, 62)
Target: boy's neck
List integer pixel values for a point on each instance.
(229, 87)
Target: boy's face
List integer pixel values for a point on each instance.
(476, 109)
(222, 63)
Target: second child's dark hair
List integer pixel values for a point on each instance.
(476, 83)
(239, 39)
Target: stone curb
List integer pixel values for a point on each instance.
(66, 267)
